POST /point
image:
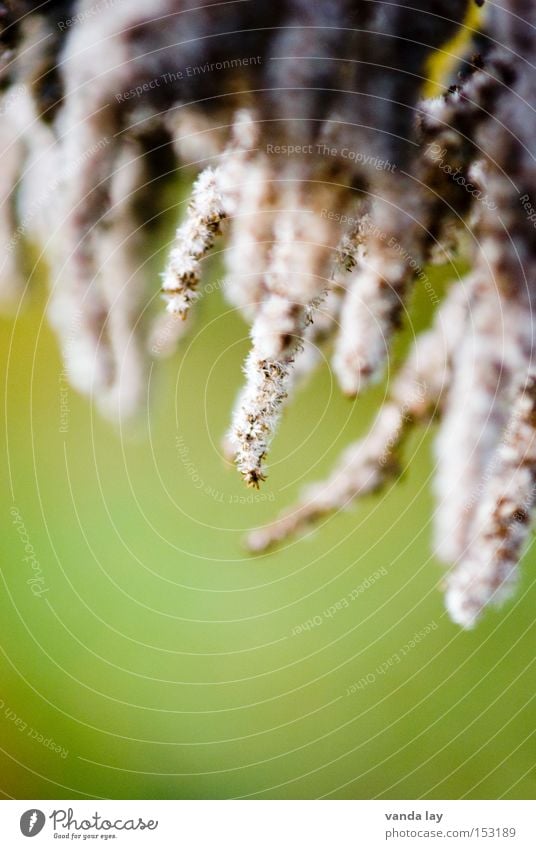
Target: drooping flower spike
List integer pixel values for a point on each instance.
(332, 182)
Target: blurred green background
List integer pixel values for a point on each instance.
(162, 658)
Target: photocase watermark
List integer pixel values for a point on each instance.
(342, 604)
(393, 660)
(198, 482)
(22, 727)
(37, 581)
(186, 73)
(63, 380)
(32, 822)
(438, 155)
(76, 827)
(368, 160)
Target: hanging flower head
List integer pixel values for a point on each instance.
(311, 117)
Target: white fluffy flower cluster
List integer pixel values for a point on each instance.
(279, 185)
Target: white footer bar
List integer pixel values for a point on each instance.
(270, 824)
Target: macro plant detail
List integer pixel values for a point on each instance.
(333, 182)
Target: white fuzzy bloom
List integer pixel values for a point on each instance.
(95, 63)
(260, 404)
(386, 264)
(360, 214)
(367, 464)
(487, 365)
(488, 571)
(250, 235)
(366, 329)
(257, 415)
(11, 153)
(321, 324)
(122, 286)
(195, 139)
(296, 281)
(320, 331)
(225, 192)
(29, 189)
(420, 385)
(299, 271)
(193, 240)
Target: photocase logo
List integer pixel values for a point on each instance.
(32, 822)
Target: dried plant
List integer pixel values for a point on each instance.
(334, 182)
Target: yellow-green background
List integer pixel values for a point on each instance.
(163, 657)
